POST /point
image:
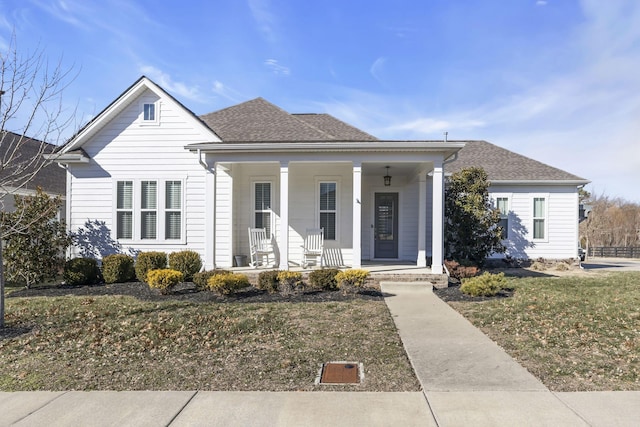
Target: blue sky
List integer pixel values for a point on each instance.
(555, 80)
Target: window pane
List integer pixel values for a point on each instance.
(263, 220)
(148, 225)
(174, 194)
(327, 196)
(503, 205)
(149, 112)
(173, 225)
(504, 223)
(263, 196)
(538, 228)
(125, 225)
(328, 223)
(125, 195)
(538, 207)
(148, 196)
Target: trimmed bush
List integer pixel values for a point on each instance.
(187, 262)
(118, 268)
(324, 279)
(350, 280)
(201, 279)
(164, 279)
(288, 281)
(268, 281)
(149, 261)
(81, 271)
(486, 285)
(228, 283)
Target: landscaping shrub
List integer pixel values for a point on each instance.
(149, 261)
(289, 281)
(81, 271)
(164, 279)
(187, 262)
(350, 280)
(201, 279)
(324, 279)
(486, 285)
(228, 283)
(268, 281)
(118, 268)
(461, 270)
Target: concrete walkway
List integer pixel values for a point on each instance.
(467, 380)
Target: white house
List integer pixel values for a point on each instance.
(161, 178)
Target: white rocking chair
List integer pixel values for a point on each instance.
(313, 247)
(261, 248)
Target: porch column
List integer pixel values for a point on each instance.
(437, 239)
(356, 226)
(283, 237)
(210, 218)
(422, 219)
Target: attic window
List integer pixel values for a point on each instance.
(149, 113)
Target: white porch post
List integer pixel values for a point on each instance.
(210, 218)
(356, 226)
(437, 242)
(283, 238)
(422, 219)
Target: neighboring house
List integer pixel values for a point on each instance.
(22, 170)
(160, 178)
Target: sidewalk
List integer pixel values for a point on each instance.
(469, 380)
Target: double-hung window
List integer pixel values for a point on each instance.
(328, 209)
(539, 217)
(502, 203)
(262, 206)
(173, 210)
(149, 210)
(124, 210)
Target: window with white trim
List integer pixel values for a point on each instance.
(149, 112)
(502, 204)
(328, 209)
(145, 212)
(539, 218)
(262, 206)
(173, 210)
(124, 209)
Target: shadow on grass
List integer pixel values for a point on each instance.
(9, 332)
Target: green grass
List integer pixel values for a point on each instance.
(121, 343)
(575, 333)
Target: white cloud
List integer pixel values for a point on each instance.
(277, 68)
(166, 82)
(377, 68)
(226, 92)
(541, 3)
(266, 20)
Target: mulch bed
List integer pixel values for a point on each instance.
(453, 293)
(188, 292)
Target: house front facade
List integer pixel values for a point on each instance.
(157, 177)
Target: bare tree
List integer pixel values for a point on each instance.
(611, 222)
(33, 121)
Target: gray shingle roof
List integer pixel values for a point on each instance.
(260, 121)
(50, 178)
(504, 165)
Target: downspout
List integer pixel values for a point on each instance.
(207, 169)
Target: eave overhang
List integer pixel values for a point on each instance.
(550, 182)
(68, 158)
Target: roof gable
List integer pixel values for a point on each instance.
(261, 121)
(504, 165)
(122, 102)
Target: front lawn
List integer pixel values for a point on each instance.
(120, 342)
(575, 333)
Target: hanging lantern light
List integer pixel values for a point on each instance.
(387, 178)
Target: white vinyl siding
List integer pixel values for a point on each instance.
(262, 206)
(328, 209)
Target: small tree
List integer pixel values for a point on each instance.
(35, 241)
(471, 223)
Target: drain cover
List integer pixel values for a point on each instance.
(341, 373)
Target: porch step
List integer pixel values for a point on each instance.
(438, 281)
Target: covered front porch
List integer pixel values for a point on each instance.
(289, 189)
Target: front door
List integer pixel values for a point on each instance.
(386, 225)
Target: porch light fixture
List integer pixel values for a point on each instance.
(387, 178)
